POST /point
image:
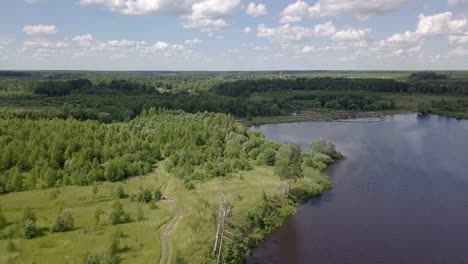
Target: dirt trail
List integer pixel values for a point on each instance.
(166, 233)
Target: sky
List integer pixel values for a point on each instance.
(233, 35)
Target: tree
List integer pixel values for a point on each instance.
(63, 223)
(424, 108)
(288, 164)
(119, 192)
(145, 196)
(29, 224)
(29, 229)
(327, 148)
(118, 215)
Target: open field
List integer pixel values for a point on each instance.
(190, 237)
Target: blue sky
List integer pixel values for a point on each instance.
(234, 34)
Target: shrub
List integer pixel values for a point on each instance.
(11, 246)
(29, 229)
(140, 215)
(3, 221)
(327, 148)
(119, 192)
(268, 157)
(63, 223)
(157, 195)
(118, 215)
(145, 196)
(92, 259)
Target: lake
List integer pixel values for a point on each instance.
(401, 196)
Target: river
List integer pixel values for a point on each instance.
(400, 196)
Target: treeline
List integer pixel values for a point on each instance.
(246, 87)
(61, 88)
(343, 101)
(47, 153)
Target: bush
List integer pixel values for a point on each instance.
(118, 215)
(327, 148)
(3, 221)
(145, 196)
(63, 223)
(268, 157)
(92, 259)
(120, 193)
(29, 229)
(157, 195)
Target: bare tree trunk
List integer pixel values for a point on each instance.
(220, 212)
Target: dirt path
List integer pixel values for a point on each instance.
(166, 233)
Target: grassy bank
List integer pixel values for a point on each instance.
(191, 237)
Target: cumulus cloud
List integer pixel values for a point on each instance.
(441, 24)
(300, 9)
(294, 12)
(254, 10)
(83, 40)
(40, 30)
(209, 15)
(247, 29)
(289, 33)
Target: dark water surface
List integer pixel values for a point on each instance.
(401, 196)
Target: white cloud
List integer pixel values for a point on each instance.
(84, 40)
(247, 30)
(192, 42)
(209, 15)
(441, 24)
(351, 35)
(285, 33)
(40, 30)
(458, 40)
(294, 12)
(299, 10)
(327, 29)
(308, 49)
(256, 10)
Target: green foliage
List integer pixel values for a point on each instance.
(62, 152)
(267, 156)
(120, 192)
(424, 108)
(11, 246)
(288, 162)
(145, 196)
(140, 216)
(118, 215)
(92, 259)
(260, 221)
(29, 229)
(63, 223)
(327, 148)
(3, 221)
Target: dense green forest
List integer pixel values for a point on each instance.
(48, 153)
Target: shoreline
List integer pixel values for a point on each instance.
(316, 116)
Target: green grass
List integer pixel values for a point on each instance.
(193, 235)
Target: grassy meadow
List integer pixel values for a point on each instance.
(192, 212)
